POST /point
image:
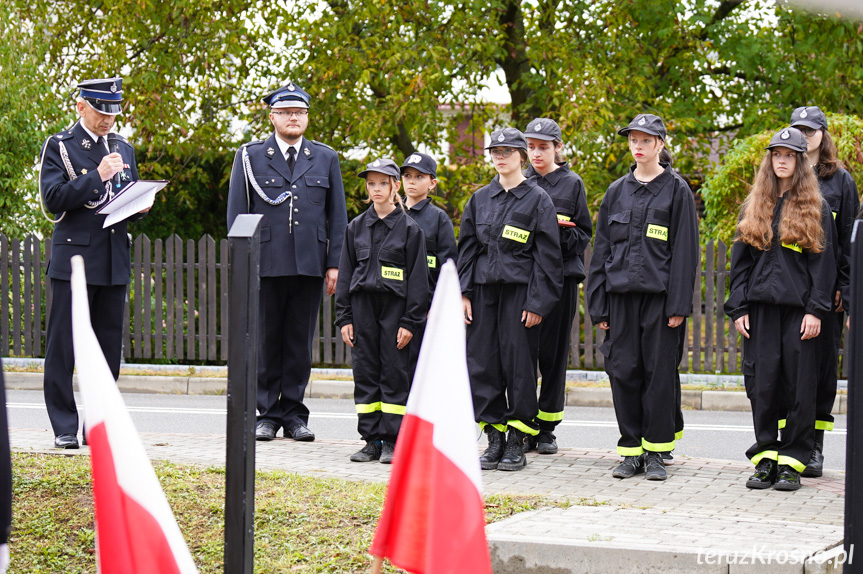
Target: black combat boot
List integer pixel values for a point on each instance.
(491, 457)
(815, 467)
(513, 456)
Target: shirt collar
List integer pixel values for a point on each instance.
(389, 220)
(518, 191)
(420, 205)
(654, 186)
(283, 146)
(552, 177)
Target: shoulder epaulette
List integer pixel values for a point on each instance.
(251, 143)
(321, 144)
(64, 135)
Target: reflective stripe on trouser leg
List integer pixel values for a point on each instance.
(553, 357)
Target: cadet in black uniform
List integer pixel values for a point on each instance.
(511, 275)
(295, 183)
(840, 191)
(78, 174)
(640, 286)
(381, 302)
(419, 178)
(551, 173)
(783, 275)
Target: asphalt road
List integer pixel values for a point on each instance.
(708, 434)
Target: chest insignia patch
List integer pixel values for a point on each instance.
(432, 261)
(393, 273)
(793, 247)
(562, 217)
(657, 232)
(515, 234)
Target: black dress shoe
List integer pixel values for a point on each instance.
(301, 433)
(787, 479)
(765, 475)
(265, 431)
(815, 466)
(546, 443)
(66, 441)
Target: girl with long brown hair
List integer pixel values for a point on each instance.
(840, 192)
(782, 276)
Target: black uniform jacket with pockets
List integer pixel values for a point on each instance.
(80, 232)
(784, 274)
(512, 237)
(439, 234)
(304, 234)
(840, 192)
(646, 242)
(384, 256)
(566, 191)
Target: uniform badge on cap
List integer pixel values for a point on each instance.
(114, 88)
(377, 163)
(537, 126)
(785, 135)
(270, 151)
(642, 121)
(291, 87)
(803, 114)
(414, 159)
(86, 144)
(306, 151)
(500, 138)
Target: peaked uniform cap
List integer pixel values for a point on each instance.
(104, 95)
(288, 96)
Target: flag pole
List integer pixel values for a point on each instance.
(377, 565)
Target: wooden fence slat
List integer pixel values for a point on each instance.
(147, 296)
(179, 298)
(191, 306)
(158, 290)
(127, 327)
(709, 310)
(697, 319)
(588, 324)
(4, 294)
(27, 310)
(37, 297)
(223, 298)
(170, 293)
(211, 299)
(137, 296)
(16, 297)
(721, 273)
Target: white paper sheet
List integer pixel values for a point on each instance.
(133, 198)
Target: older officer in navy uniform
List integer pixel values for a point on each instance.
(78, 174)
(295, 183)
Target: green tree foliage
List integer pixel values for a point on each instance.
(727, 187)
(389, 78)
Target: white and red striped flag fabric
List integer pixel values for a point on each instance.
(136, 532)
(433, 520)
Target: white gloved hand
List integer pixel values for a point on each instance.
(4, 557)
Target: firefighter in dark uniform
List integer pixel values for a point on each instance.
(381, 303)
(419, 178)
(295, 183)
(511, 273)
(640, 285)
(840, 192)
(78, 174)
(566, 189)
(783, 274)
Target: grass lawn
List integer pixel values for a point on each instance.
(302, 524)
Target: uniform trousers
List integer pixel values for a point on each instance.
(502, 358)
(289, 308)
(555, 335)
(107, 303)
(778, 371)
(382, 376)
(828, 351)
(678, 396)
(641, 352)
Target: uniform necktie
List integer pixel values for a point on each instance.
(292, 159)
(101, 143)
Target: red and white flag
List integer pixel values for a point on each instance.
(433, 521)
(136, 532)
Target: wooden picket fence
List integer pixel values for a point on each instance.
(177, 308)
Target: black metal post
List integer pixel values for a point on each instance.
(244, 241)
(854, 439)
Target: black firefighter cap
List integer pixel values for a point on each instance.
(422, 163)
(104, 95)
(647, 123)
(791, 138)
(543, 129)
(382, 165)
(810, 117)
(507, 137)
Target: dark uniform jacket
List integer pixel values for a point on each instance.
(79, 232)
(384, 256)
(512, 237)
(440, 237)
(566, 190)
(840, 192)
(303, 235)
(646, 242)
(784, 274)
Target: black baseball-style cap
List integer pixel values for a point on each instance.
(507, 137)
(105, 95)
(421, 162)
(791, 138)
(647, 123)
(382, 165)
(810, 117)
(288, 96)
(543, 129)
